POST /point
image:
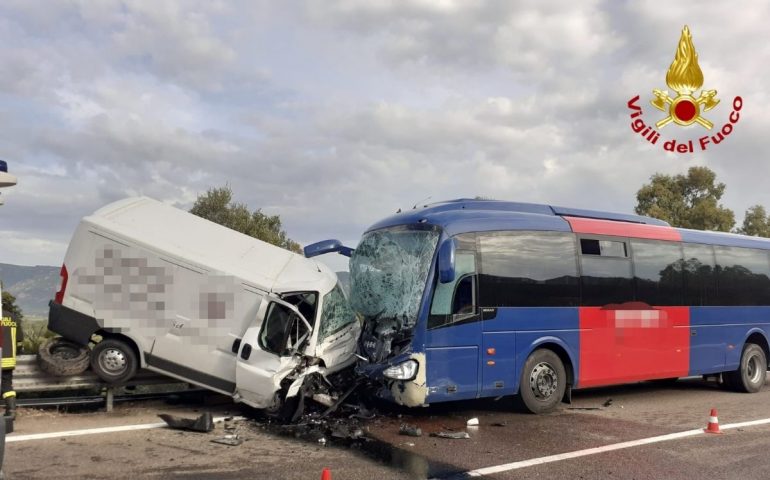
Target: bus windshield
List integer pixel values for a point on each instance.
(388, 272)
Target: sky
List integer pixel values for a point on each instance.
(336, 113)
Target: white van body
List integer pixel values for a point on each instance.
(192, 297)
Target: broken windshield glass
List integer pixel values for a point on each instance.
(336, 313)
(388, 272)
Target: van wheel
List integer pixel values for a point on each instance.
(543, 382)
(752, 371)
(60, 357)
(113, 360)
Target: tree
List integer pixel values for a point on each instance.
(688, 201)
(217, 206)
(10, 306)
(756, 222)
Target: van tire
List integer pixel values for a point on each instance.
(752, 371)
(114, 360)
(545, 395)
(59, 357)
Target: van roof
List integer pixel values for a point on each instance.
(194, 242)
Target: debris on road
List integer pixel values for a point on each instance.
(451, 435)
(473, 422)
(229, 440)
(584, 408)
(203, 424)
(410, 430)
(607, 403)
(499, 424)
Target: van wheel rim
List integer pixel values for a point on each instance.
(112, 361)
(543, 381)
(752, 369)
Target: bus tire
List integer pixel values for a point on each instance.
(543, 382)
(114, 360)
(752, 371)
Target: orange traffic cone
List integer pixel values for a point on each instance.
(326, 474)
(713, 426)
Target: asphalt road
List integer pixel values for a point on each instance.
(504, 436)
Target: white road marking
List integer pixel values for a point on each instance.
(91, 431)
(479, 472)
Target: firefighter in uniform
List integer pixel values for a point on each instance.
(12, 338)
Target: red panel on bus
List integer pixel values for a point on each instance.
(623, 229)
(633, 342)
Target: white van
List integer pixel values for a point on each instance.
(151, 286)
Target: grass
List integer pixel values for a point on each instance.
(35, 333)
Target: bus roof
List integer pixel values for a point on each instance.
(473, 215)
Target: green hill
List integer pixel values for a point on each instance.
(33, 287)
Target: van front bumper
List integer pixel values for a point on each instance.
(71, 324)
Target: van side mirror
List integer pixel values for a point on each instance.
(446, 261)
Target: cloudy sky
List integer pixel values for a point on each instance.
(335, 113)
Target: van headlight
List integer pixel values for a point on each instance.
(403, 371)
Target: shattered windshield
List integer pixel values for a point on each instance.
(388, 272)
(336, 313)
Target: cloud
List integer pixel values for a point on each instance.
(334, 114)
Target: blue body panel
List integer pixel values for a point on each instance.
(528, 328)
(720, 333)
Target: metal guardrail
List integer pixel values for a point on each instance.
(28, 377)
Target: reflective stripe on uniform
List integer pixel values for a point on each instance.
(9, 352)
(8, 322)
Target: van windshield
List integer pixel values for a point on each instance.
(388, 273)
(336, 313)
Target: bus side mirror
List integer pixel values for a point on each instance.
(327, 246)
(446, 261)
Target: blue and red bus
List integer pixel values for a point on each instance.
(476, 298)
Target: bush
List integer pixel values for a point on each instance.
(35, 333)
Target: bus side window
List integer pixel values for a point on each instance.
(464, 299)
(449, 297)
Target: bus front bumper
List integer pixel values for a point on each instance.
(409, 393)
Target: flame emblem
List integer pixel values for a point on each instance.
(684, 76)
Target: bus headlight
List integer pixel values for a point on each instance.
(403, 371)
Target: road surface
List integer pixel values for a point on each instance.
(640, 411)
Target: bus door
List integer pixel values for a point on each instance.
(454, 334)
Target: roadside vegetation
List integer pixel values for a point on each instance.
(692, 201)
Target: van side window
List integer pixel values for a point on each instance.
(306, 303)
(274, 336)
(282, 329)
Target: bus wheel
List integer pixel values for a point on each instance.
(543, 382)
(751, 373)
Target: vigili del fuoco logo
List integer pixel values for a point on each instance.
(684, 109)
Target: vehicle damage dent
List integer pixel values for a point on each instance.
(412, 393)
